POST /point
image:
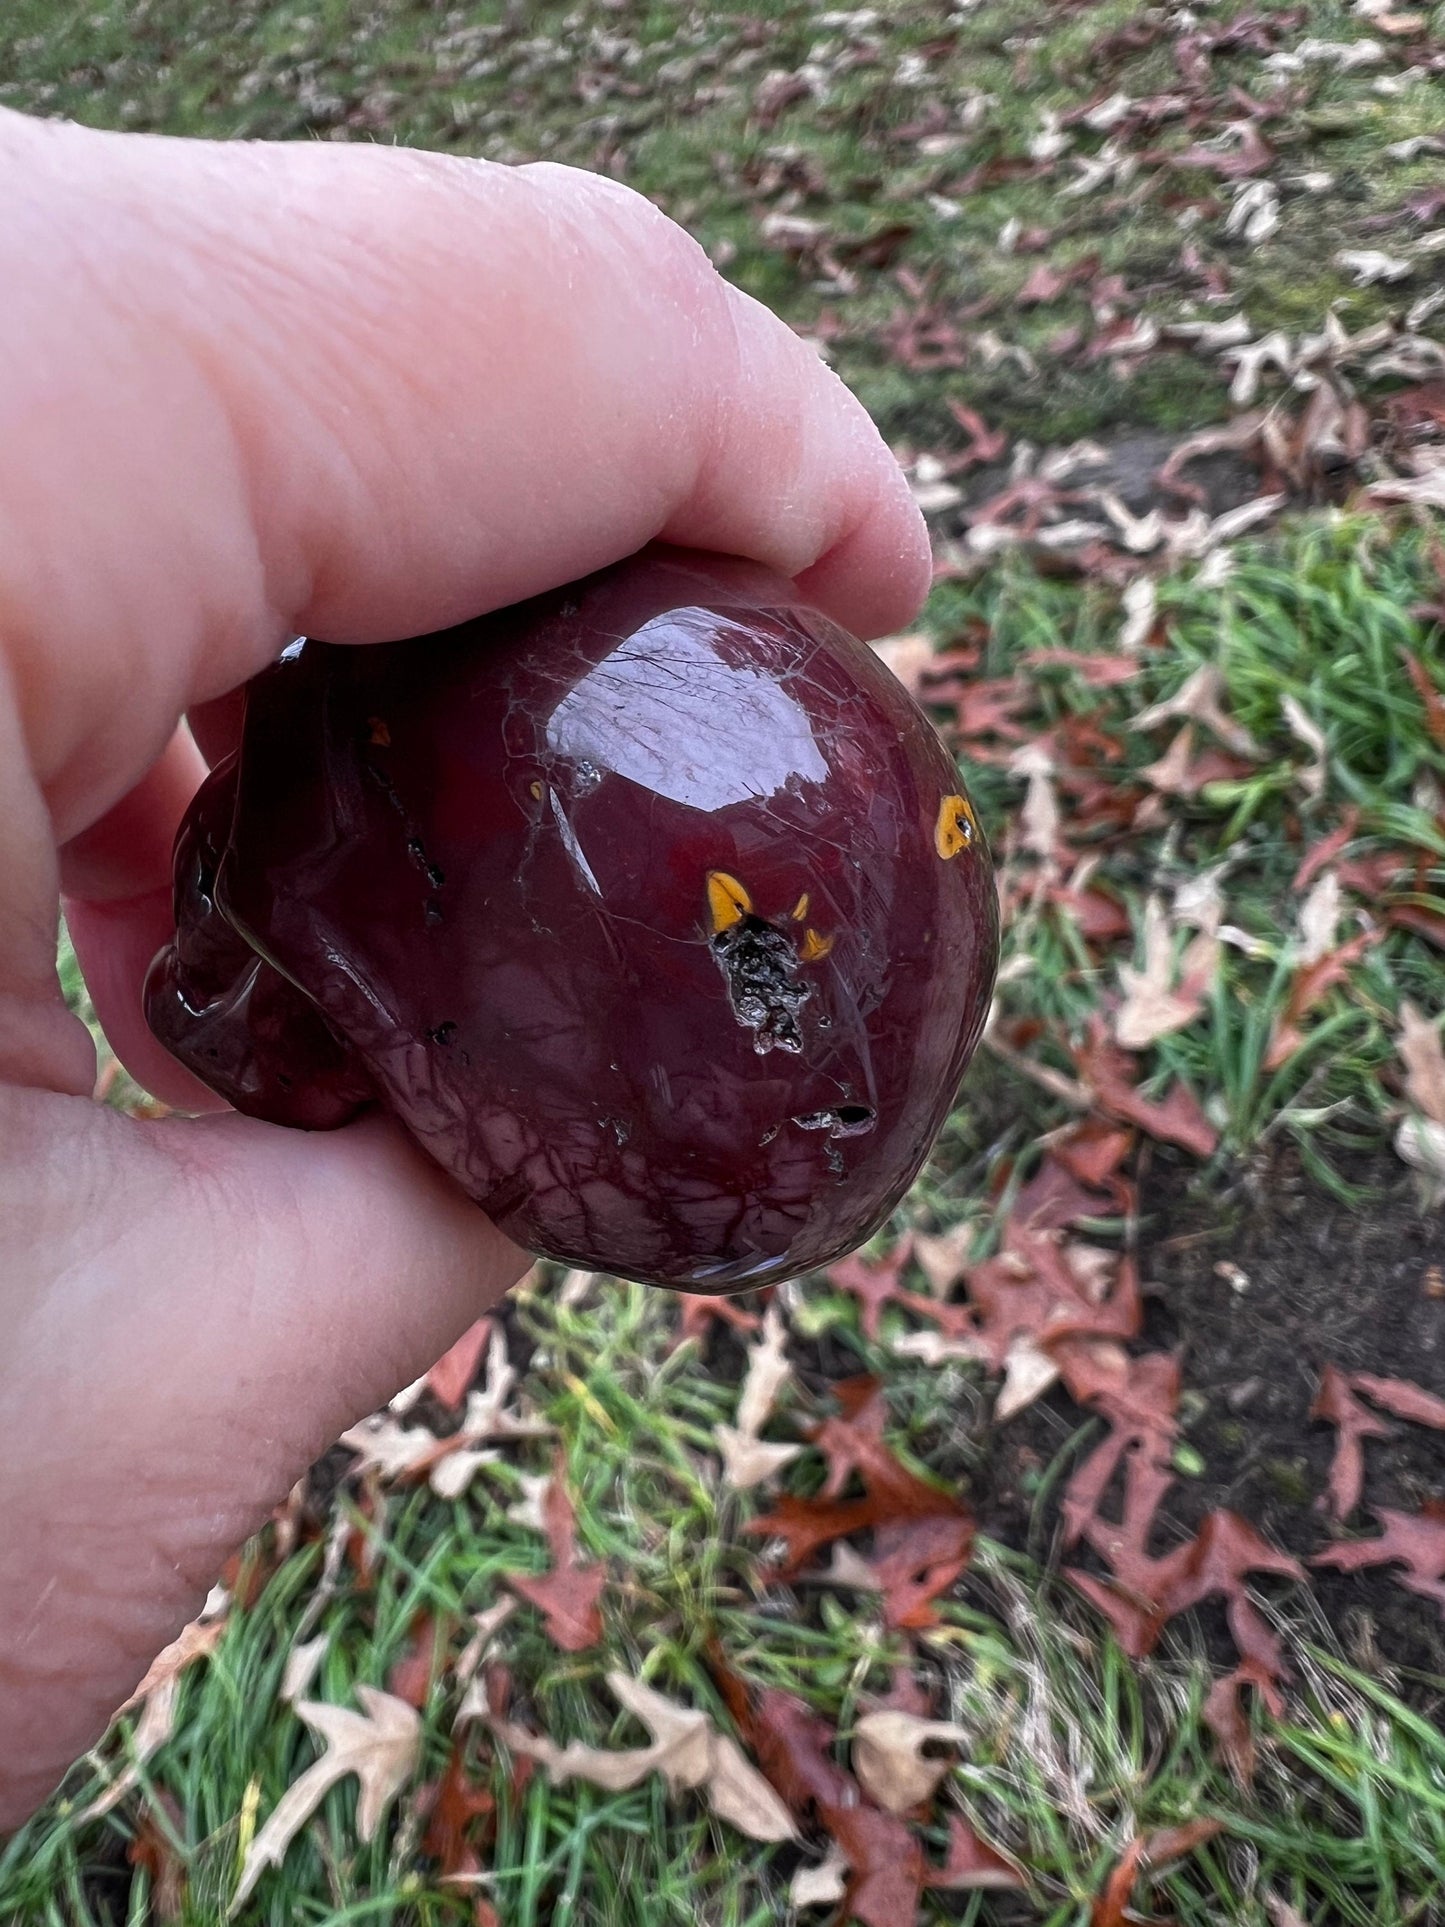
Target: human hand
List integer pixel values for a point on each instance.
(248, 391)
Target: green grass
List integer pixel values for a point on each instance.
(663, 94)
(1072, 1751)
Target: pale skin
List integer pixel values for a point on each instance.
(248, 392)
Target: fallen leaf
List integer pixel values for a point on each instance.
(1176, 1118)
(302, 1664)
(1424, 1060)
(1139, 1397)
(1198, 699)
(1336, 1404)
(876, 1283)
(1166, 1846)
(686, 1749)
(748, 1462)
(1281, 1914)
(453, 1809)
(699, 1311)
(768, 1371)
(152, 1851)
(197, 1640)
(1311, 778)
(971, 1863)
(1153, 1007)
(380, 1745)
(910, 1565)
(449, 1379)
(566, 1596)
(1028, 1372)
(1420, 1141)
(154, 1727)
(1311, 983)
(1110, 1909)
(416, 1668)
(889, 1761)
(822, 1885)
(909, 657)
(1429, 694)
(1403, 1399)
(1415, 1540)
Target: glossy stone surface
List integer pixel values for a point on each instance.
(652, 907)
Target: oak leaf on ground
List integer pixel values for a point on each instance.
(380, 1745)
(566, 1596)
(1414, 1540)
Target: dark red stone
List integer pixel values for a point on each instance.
(652, 907)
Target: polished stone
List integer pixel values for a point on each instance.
(653, 907)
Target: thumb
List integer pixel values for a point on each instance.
(193, 1311)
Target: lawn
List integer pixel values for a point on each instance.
(1075, 1555)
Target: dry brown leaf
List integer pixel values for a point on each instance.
(1028, 1374)
(1198, 700)
(302, 1664)
(889, 1761)
(567, 1594)
(1040, 818)
(823, 1885)
(1319, 919)
(739, 1794)
(749, 1461)
(485, 1627)
(454, 1371)
(1424, 1060)
(1152, 1008)
(936, 1348)
(767, 1373)
(907, 656)
(1281, 1914)
(943, 1259)
(152, 1730)
(682, 1733)
(1311, 778)
(686, 1749)
(1420, 1141)
(198, 1640)
(380, 1745)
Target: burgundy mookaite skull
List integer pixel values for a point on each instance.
(653, 908)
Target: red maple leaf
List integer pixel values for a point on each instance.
(886, 1866)
(886, 1863)
(971, 1862)
(1145, 1593)
(915, 1561)
(567, 1595)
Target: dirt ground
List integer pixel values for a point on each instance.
(1258, 1290)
